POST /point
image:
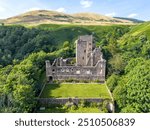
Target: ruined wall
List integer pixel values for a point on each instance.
(90, 64)
(62, 101)
(77, 72)
(97, 55)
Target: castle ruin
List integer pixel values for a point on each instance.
(89, 66)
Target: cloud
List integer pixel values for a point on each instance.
(86, 3)
(61, 10)
(133, 15)
(111, 14)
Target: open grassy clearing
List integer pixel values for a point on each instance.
(75, 90)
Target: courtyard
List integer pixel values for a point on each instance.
(80, 90)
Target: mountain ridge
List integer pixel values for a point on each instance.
(131, 19)
(54, 17)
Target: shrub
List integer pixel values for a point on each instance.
(112, 82)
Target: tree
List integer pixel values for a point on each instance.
(117, 63)
(2, 24)
(133, 91)
(23, 98)
(112, 82)
(66, 44)
(146, 50)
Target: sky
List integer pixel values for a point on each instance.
(139, 9)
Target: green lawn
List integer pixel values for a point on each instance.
(75, 90)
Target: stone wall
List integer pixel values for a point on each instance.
(96, 72)
(62, 101)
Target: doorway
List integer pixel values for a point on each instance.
(50, 78)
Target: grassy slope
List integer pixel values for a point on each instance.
(141, 29)
(71, 32)
(75, 90)
(92, 28)
(137, 31)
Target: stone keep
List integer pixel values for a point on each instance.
(89, 65)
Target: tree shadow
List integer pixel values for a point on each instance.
(48, 90)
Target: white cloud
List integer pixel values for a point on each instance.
(133, 15)
(111, 14)
(86, 3)
(61, 10)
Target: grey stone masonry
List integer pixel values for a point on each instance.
(89, 66)
(62, 101)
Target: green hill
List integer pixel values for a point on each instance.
(137, 40)
(137, 30)
(17, 42)
(141, 29)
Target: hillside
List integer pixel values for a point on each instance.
(135, 32)
(53, 17)
(131, 85)
(141, 29)
(47, 38)
(131, 19)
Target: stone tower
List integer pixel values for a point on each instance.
(84, 48)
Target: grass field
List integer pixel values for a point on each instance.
(75, 90)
